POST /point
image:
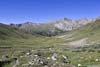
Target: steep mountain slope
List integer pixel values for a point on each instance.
(85, 35)
(9, 32)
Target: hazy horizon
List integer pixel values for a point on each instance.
(19, 11)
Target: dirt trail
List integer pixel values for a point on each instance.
(79, 43)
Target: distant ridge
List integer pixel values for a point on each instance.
(54, 27)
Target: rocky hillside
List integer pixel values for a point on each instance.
(53, 27)
(85, 35)
(9, 32)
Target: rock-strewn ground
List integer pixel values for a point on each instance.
(50, 57)
(38, 58)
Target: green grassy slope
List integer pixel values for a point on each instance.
(9, 32)
(90, 31)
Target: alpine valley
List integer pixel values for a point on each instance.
(60, 43)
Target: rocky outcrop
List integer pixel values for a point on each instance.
(40, 58)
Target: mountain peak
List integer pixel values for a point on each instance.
(66, 19)
(28, 22)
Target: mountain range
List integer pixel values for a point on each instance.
(52, 28)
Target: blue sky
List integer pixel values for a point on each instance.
(19, 11)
